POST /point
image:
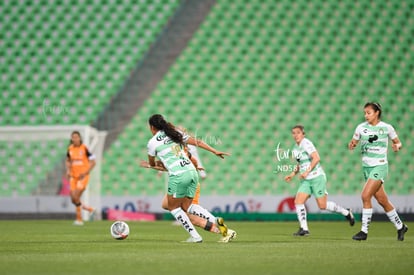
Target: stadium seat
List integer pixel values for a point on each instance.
(249, 88)
(252, 71)
(64, 61)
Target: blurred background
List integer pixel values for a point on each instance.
(236, 74)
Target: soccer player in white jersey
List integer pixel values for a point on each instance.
(199, 216)
(373, 134)
(313, 181)
(168, 145)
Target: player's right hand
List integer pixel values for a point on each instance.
(351, 145)
(144, 164)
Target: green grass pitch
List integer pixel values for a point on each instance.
(58, 247)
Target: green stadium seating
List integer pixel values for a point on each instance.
(73, 55)
(62, 62)
(256, 68)
(253, 70)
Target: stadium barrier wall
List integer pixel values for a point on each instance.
(231, 207)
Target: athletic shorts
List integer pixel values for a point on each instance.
(379, 172)
(76, 184)
(183, 185)
(315, 186)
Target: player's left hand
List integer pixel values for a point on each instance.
(396, 147)
(221, 154)
(304, 175)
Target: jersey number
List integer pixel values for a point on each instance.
(176, 149)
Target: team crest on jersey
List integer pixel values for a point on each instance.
(160, 137)
(168, 141)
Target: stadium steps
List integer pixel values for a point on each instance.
(144, 78)
(152, 68)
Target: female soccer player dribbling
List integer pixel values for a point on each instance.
(79, 163)
(199, 216)
(313, 181)
(373, 134)
(168, 145)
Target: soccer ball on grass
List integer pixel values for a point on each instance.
(119, 230)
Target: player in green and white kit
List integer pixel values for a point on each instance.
(168, 145)
(313, 181)
(373, 136)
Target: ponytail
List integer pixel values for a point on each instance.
(160, 123)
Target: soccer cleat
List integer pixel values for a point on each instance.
(78, 222)
(401, 232)
(301, 232)
(231, 235)
(193, 240)
(350, 217)
(360, 236)
(222, 227)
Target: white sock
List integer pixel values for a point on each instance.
(200, 211)
(366, 219)
(183, 219)
(333, 207)
(395, 219)
(301, 212)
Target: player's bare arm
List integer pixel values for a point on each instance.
(396, 144)
(68, 166)
(315, 160)
(289, 177)
(157, 165)
(92, 164)
(352, 144)
(205, 146)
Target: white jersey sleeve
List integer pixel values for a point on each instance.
(392, 134)
(308, 146)
(357, 133)
(151, 148)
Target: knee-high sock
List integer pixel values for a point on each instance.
(395, 219)
(301, 212)
(200, 211)
(366, 219)
(333, 207)
(185, 222)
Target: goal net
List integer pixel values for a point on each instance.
(33, 162)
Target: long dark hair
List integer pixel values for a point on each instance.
(375, 106)
(160, 123)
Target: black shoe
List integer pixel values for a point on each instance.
(350, 217)
(360, 236)
(301, 232)
(401, 232)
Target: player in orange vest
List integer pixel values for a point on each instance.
(79, 163)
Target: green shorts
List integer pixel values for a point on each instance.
(315, 186)
(379, 172)
(183, 185)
